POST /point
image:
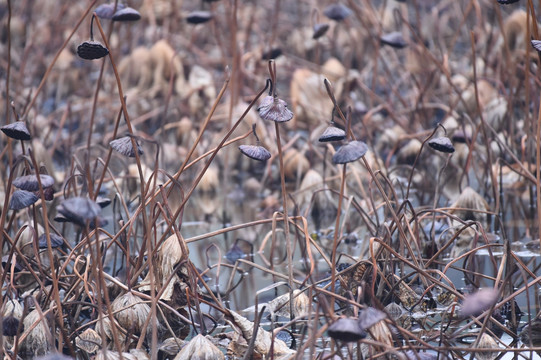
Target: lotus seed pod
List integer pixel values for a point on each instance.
(124, 146)
(394, 39)
(17, 130)
(21, 199)
(346, 329)
(332, 133)
(442, 144)
(255, 152)
(274, 109)
(91, 50)
(126, 14)
(350, 152)
(30, 182)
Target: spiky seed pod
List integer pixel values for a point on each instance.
(17, 130)
(199, 348)
(91, 50)
(350, 152)
(487, 342)
(263, 342)
(124, 146)
(274, 109)
(79, 209)
(394, 39)
(106, 11)
(130, 312)
(199, 17)
(370, 316)
(171, 346)
(442, 144)
(21, 199)
(37, 342)
(56, 241)
(346, 329)
(126, 14)
(320, 30)
(89, 341)
(255, 152)
(332, 133)
(337, 12)
(30, 182)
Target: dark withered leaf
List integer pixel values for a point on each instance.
(48, 193)
(56, 241)
(337, 12)
(21, 199)
(507, 2)
(91, 50)
(320, 30)
(271, 54)
(124, 146)
(126, 14)
(199, 17)
(7, 262)
(350, 152)
(30, 182)
(17, 130)
(346, 329)
(234, 254)
(442, 144)
(332, 133)
(370, 316)
(274, 109)
(394, 39)
(10, 325)
(255, 152)
(106, 11)
(241, 249)
(79, 209)
(474, 304)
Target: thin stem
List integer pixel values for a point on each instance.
(284, 201)
(336, 231)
